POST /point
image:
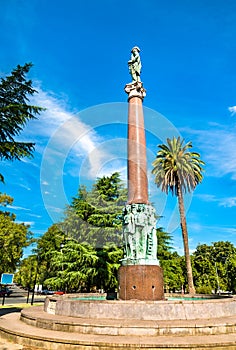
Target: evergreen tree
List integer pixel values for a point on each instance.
(107, 267)
(47, 245)
(74, 267)
(95, 217)
(6, 200)
(164, 247)
(169, 261)
(15, 112)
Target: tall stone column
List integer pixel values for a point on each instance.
(140, 276)
(137, 163)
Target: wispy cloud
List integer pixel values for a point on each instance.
(206, 197)
(198, 233)
(45, 183)
(227, 202)
(216, 229)
(15, 207)
(35, 215)
(232, 110)
(25, 187)
(66, 132)
(55, 114)
(218, 149)
(30, 223)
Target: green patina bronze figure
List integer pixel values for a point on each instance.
(139, 230)
(135, 64)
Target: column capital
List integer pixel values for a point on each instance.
(135, 89)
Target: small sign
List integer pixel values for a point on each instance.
(7, 278)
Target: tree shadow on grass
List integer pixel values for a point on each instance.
(8, 310)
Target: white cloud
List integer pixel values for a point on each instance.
(228, 202)
(232, 110)
(217, 148)
(45, 183)
(196, 227)
(25, 187)
(30, 223)
(197, 235)
(35, 215)
(57, 209)
(118, 165)
(55, 113)
(66, 132)
(206, 197)
(16, 207)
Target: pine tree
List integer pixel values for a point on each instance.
(15, 112)
(95, 217)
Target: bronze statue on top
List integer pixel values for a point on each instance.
(135, 64)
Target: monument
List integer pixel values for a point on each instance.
(140, 276)
(77, 321)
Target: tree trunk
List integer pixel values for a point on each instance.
(183, 224)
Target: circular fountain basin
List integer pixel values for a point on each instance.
(197, 308)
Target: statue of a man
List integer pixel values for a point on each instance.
(129, 232)
(141, 231)
(135, 64)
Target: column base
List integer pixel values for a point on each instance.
(129, 261)
(141, 282)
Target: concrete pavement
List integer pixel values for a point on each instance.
(42, 338)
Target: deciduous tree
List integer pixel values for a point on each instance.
(14, 237)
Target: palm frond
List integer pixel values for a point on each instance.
(175, 165)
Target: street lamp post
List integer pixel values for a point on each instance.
(217, 278)
(35, 279)
(62, 266)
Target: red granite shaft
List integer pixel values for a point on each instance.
(137, 163)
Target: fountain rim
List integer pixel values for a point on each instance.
(85, 297)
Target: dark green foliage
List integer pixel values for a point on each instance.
(15, 112)
(6, 200)
(81, 253)
(107, 266)
(215, 266)
(66, 264)
(176, 166)
(13, 238)
(164, 247)
(95, 217)
(75, 255)
(26, 275)
(108, 187)
(169, 261)
(75, 267)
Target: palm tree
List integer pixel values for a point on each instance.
(178, 170)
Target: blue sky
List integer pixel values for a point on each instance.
(80, 51)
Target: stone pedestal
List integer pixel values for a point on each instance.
(141, 282)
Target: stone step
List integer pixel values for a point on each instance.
(38, 318)
(12, 328)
